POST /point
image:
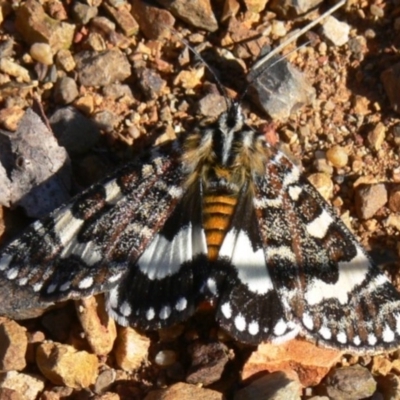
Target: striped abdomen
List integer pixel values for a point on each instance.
(217, 214)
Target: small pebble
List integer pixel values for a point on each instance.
(376, 11)
(106, 120)
(65, 60)
(337, 32)
(377, 136)
(323, 183)
(66, 90)
(83, 13)
(350, 383)
(42, 53)
(29, 386)
(369, 199)
(381, 365)
(278, 28)
(105, 379)
(12, 68)
(165, 358)
(337, 156)
(394, 200)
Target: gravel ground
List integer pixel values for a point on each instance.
(112, 79)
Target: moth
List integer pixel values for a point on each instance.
(221, 216)
(217, 215)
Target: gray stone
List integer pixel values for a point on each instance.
(101, 69)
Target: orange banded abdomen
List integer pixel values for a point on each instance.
(217, 214)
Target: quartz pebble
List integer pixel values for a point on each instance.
(42, 53)
(337, 156)
(337, 32)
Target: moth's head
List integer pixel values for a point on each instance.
(232, 119)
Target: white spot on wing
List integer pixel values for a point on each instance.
(88, 251)
(147, 170)
(294, 192)
(175, 192)
(341, 337)
(320, 225)
(240, 323)
(253, 328)
(325, 332)
(52, 288)
(250, 265)
(86, 283)
(65, 286)
(372, 339)
(212, 286)
(163, 258)
(388, 334)
(291, 332)
(66, 226)
(357, 340)
(125, 309)
(181, 304)
(226, 310)
(150, 314)
(113, 192)
(37, 286)
(12, 273)
(280, 328)
(268, 203)
(115, 277)
(351, 274)
(308, 321)
(165, 312)
(282, 252)
(23, 281)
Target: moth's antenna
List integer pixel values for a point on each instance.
(296, 35)
(197, 54)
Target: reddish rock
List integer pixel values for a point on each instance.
(198, 13)
(64, 365)
(13, 345)
(131, 349)
(184, 391)
(369, 199)
(275, 386)
(154, 22)
(100, 330)
(27, 385)
(311, 363)
(394, 200)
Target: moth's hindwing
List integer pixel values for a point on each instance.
(164, 286)
(249, 305)
(324, 278)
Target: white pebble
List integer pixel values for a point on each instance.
(42, 53)
(165, 358)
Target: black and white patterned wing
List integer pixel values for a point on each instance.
(164, 285)
(249, 306)
(87, 246)
(323, 276)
